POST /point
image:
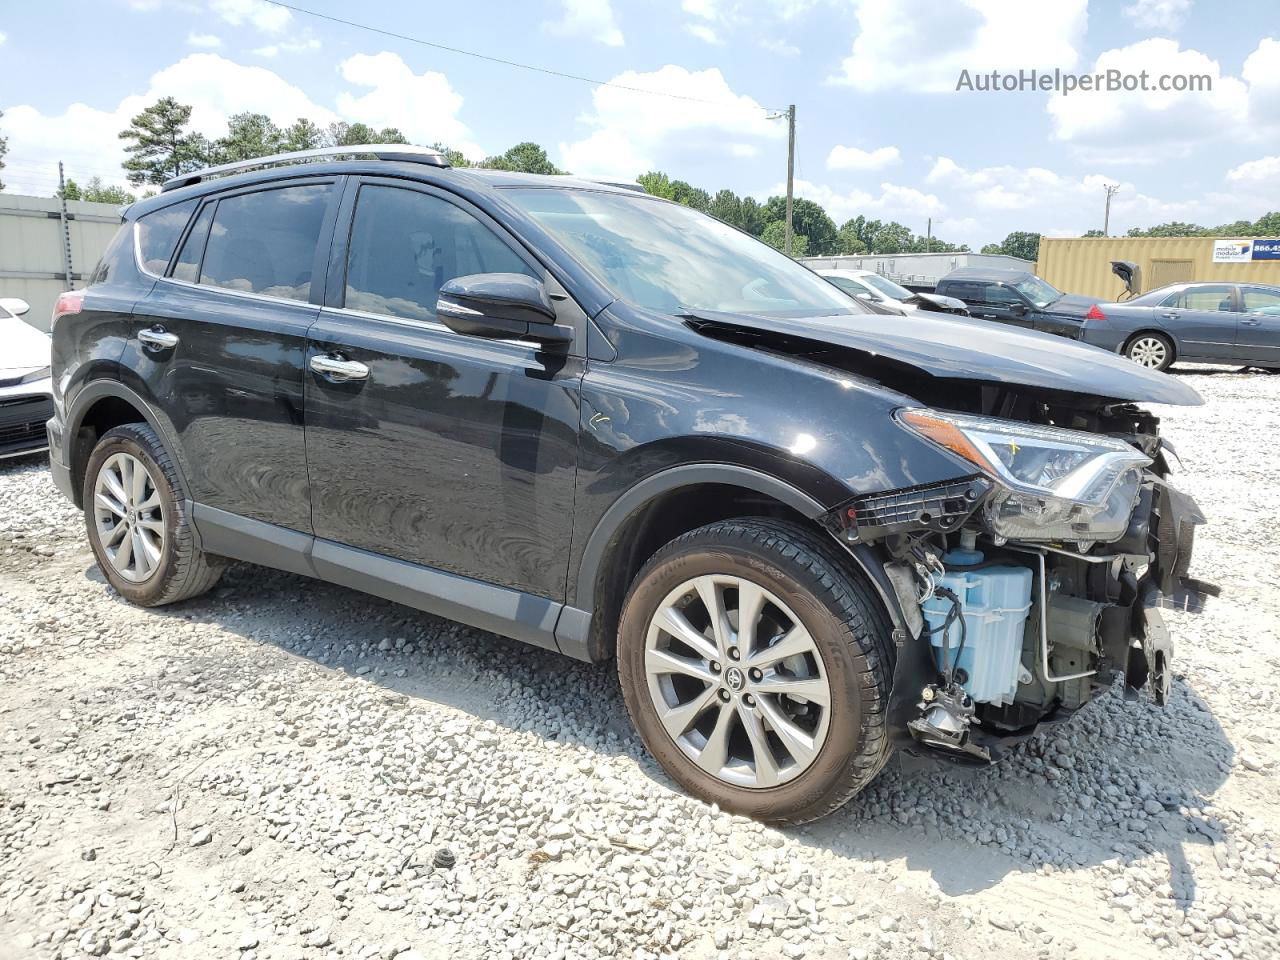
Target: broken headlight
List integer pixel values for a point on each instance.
(1053, 484)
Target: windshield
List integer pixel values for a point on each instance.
(674, 260)
(1037, 291)
(887, 287)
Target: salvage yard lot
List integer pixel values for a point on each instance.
(270, 770)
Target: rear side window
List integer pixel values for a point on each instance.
(188, 266)
(121, 245)
(158, 234)
(1213, 298)
(1259, 300)
(266, 242)
(405, 245)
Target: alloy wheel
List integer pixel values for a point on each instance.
(1149, 352)
(129, 516)
(737, 681)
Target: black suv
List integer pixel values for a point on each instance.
(612, 426)
(1018, 298)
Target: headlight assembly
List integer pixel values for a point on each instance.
(1054, 484)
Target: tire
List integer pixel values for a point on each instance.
(156, 521)
(1151, 350)
(805, 579)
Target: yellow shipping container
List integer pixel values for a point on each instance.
(1083, 264)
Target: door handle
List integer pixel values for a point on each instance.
(1170, 316)
(1250, 321)
(157, 338)
(339, 369)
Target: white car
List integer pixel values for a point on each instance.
(26, 391)
(883, 292)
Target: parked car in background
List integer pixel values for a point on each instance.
(881, 291)
(1200, 322)
(25, 391)
(1018, 298)
(607, 424)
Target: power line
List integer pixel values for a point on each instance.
(483, 56)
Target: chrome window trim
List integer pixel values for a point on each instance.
(431, 326)
(247, 294)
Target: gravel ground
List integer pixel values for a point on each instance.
(273, 770)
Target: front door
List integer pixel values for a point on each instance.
(220, 343)
(1003, 305)
(1203, 318)
(446, 450)
(1258, 327)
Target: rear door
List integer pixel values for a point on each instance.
(445, 450)
(221, 339)
(1258, 328)
(1203, 319)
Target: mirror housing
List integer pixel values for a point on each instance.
(1018, 309)
(502, 306)
(15, 305)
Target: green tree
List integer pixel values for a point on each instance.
(1175, 228)
(343, 134)
(4, 148)
(1094, 233)
(523, 158)
(302, 134)
(656, 184)
(775, 235)
(1268, 225)
(95, 191)
(1022, 244)
(807, 219)
(161, 146)
(249, 135)
(455, 157)
(690, 196)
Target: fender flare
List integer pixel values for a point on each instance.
(96, 390)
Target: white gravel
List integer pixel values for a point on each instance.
(272, 771)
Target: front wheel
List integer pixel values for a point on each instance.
(138, 523)
(756, 663)
(1151, 350)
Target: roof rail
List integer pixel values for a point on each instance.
(634, 187)
(383, 151)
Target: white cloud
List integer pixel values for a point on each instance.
(634, 132)
(921, 45)
(895, 202)
(263, 16)
(706, 9)
(203, 41)
(705, 33)
(1158, 14)
(853, 158)
(1262, 73)
(592, 19)
(1153, 125)
(424, 106)
(1262, 170)
(272, 50)
(3, 36)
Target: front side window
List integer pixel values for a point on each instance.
(1211, 298)
(674, 260)
(266, 242)
(887, 287)
(1000, 296)
(406, 245)
(1260, 300)
(851, 287)
(1037, 291)
(158, 234)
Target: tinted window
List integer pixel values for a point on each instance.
(1212, 297)
(158, 234)
(1259, 300)
(266, 242)
(405, 245)
(1001, 296)
(121, 245)
(188, 265)
(851, 287)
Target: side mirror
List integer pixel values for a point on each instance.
(502, 306)
(1018, 309)
(14, 305)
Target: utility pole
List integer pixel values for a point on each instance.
(66, 229)
(1111, 189)
(791, 168)
(928, 236)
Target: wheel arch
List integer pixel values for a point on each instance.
(1160, 332)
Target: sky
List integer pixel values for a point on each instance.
(882, 129)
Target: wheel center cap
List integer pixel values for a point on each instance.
(735, 679)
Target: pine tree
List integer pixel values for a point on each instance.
(162, 147)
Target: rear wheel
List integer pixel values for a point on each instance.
(137, 520)
(755, 663)
(1151, 350)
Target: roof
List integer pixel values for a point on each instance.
(988, 273)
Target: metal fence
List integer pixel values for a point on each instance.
(42, 254)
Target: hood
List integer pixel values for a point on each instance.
(936, 301)
(25, 347)
(1072, 305)
(958, 348)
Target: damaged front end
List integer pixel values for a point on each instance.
(1029, 585)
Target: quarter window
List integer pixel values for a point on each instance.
(266, 242)
(406, 245)
(158, 234)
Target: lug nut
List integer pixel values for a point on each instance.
(756, 675)
(724, 695)
(733, 653)
(715, 667)
(749, 700)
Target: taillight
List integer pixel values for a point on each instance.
(68, 303)
(1095, 313)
